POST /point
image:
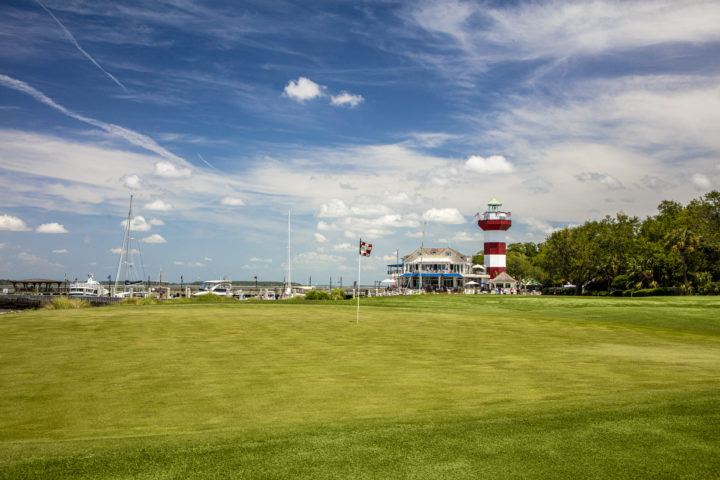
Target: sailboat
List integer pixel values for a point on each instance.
(127, 282)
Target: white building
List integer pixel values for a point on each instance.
(437, 269)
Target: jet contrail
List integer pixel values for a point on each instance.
(206, 162)
(77, 45)
(135, 138)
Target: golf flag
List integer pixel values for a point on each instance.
(365, 248)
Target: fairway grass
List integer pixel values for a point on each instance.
(423, 387)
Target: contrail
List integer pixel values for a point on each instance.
(77, 45)
(206, 162)
(134, 138)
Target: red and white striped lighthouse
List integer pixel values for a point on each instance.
(494, 223)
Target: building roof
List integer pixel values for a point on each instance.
(436, 255)
(503, 277)
(495, 201)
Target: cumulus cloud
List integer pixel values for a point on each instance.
(62, 250)
(443, 215)
(131, 181)
(492, 164)
(158, 205)
(139, 224)
(14, 224)
(345, 98)
(154, 238)
(170, 170)
(53, 227)
(303, 89)
(232, 201)
(178, 262)
(701, 182)
(156, 222)
(606, 179)
(320, 238)
(333, 209)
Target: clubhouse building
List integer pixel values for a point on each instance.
(437, 269)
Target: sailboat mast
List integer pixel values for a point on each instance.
(124, 251)
(289, 284)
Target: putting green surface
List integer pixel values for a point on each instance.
(422, 387)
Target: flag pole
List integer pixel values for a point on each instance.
(357, 319)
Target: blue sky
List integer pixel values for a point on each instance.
(366, 118)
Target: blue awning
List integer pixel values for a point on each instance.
(431, 275)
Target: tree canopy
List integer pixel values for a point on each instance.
(677, 247)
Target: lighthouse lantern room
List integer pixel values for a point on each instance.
(494, 223)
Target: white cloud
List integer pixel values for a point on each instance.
(154, 238)
(430, 140)
(315, 257)
(62, 250)
(345, 98)
(344, 247)
(232, 201)
(492, 164)
(131, 181)
(333, 209)
(701, 182)
(320, 238)
(397, 198)
(156, 222)
(53, 227)
(606, 179)
(177, 262)
(207, 259)
(14, 224)
(139, 224)
(538, 225)
(554, 30)
(170, 170)
(158, 205)
(118, 251)
(444, 215)
(303, 89)
(260, 260)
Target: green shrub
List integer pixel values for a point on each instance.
(64, 303)
(317, 295)
(338, 294)
(620, 282)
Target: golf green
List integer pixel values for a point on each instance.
(429, 386)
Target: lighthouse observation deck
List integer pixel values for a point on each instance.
(495, 220)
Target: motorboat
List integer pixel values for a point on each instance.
(222, 288)
(91, 288)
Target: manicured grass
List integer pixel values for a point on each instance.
(423, 387)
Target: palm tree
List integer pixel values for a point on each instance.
(682, 240)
